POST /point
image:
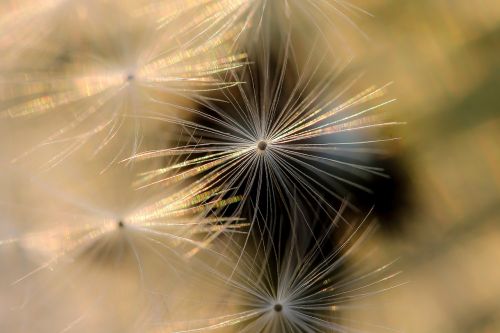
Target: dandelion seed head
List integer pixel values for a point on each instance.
(304, 141)
(176, 226)
(130, 71)
(283, 289)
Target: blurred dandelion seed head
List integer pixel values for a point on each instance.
(113, 90)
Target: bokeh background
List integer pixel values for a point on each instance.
(444, 59)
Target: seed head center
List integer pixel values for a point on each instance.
(278, 307)
(120, 224)
(130, 77)
(262, 145)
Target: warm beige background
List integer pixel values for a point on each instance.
(443, 57)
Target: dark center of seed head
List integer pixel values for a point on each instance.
(262, 145)
(278, 307)
(121, 224)
(130, 77)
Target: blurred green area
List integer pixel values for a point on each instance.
(444, 59)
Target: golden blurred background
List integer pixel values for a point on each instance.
(444, 59)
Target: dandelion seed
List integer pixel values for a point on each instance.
(99, 250)
(296, 143)
(129, 72)
(181, 224)
(299, 287)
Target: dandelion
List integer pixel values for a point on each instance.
(293, 145)
(94, 255)
(123, 74)
(179, 225)
(297, 286)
